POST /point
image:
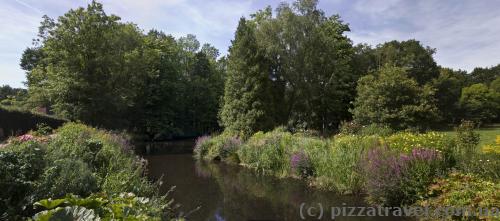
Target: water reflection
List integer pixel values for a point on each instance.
(235, 193)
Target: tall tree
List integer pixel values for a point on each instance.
(246, 108)
(485, 75)
(480, 103)
(304, 61)
(90, 66)
(448, 87)
(411, 55)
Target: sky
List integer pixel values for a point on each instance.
(465, 33)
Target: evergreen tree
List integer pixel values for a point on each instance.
(246, 107)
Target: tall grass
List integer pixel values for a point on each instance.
(393, 168)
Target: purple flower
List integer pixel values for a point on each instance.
(299, 163)
(200, 141)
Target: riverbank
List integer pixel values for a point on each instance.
(73, 171)
(395, 169)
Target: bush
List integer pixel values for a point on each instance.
(21, 165)
(222, 147)
(67, 176)
(349, 127)
(467, 139)
(395, 179)
(77, 159)
(375, 129)
(462, 190)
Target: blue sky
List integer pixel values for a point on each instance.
(465, 33)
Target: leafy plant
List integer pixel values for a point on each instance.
(124, 206)
(21, 166)
(395, 179)
(463, 190)
(67, 176)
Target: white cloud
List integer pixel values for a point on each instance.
(465, 33)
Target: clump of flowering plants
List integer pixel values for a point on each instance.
(395, 178)
(300, 164)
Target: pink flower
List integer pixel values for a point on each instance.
(25, 137)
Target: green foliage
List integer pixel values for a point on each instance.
(89, 66)
(394, 179)
(495, 85)
(268, 152)
(483, 164)
(218, 148)
(391, 98)
(480, 103)
(338, 166)
(448, 87)
(406, 141)
(354, 128)
(290, 69)
(248, 105)
(485, 75)
(21, 165)
(106, 154)
(124, 206)
(15, 97)
(467, 138)
(67, 176)
(77, 159)
(462, 190)
(409, 54)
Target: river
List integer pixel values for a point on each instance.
(226, 192)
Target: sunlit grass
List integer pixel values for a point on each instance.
(487, 134)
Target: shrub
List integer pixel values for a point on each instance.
(222, 147)
(375, 129)
(21, 165)
(77, 159)
(395, 179)
(67, 176)
(462, 190)
(349, 127)
(419, 170)
(467, 138)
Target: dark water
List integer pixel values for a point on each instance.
(229, 193)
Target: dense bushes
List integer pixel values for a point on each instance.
(393, 169)
(21, 166)
(400, 179)
(77, 159)
(463, 190)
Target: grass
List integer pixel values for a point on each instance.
(487, 134)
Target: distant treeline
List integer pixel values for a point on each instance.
(17, 122)
(295, 68)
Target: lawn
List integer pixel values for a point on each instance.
(487, 134)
